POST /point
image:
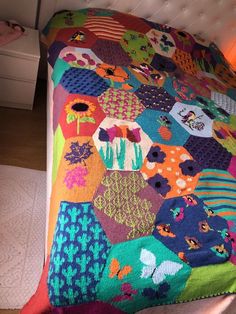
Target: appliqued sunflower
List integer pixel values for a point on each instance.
(80, 110)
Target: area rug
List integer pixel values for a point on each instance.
(22, 233)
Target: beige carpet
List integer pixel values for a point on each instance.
(22, 233)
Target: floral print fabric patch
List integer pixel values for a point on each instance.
(207, 242)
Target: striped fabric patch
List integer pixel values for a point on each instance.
(217, 188)
(105, 27)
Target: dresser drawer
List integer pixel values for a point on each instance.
(18, 68)
(14, 92)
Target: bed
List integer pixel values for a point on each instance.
(142, 117)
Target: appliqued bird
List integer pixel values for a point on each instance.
(78, 36)
(178, 213)
(193, 243)
(165, 231)
(189, 200)
(220, 250)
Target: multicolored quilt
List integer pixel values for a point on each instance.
(143, 204)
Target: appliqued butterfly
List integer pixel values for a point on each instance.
(127, 293)
(157, 273)
(116, 270)
(166, 42)
(160, 293)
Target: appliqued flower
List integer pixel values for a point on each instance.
(160, 184)
(84, 61)
(165, 231)
(69, 57)
(189, 167)
(156, 155)
(112, 72)
(193, 243)
(81, 110)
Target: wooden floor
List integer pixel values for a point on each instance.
(23, 133)
(23, 138)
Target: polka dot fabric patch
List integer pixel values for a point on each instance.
(171, 172)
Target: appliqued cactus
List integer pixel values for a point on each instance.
(74, 213)
(83, 260)
(69, 273)
(78, 256)
(84, 240)
(71, 295)
(63, 220)
(60, 239)
(58, 262)
(72, 230)
(57, 284)
(70, 251)
(85, 221)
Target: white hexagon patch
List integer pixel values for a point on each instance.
(192, 119)
(121, 144)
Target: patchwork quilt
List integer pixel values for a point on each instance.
(143, 204)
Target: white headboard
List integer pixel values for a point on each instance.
(212, 19)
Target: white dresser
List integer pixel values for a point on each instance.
(19, 62)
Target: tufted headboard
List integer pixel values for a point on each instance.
(211, 19)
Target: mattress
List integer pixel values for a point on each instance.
(142, 208)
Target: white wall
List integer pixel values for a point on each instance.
(23, 11)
